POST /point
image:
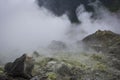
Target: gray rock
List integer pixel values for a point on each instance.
(35, 78)
(3, 77)
(57, 45)
(19, 68)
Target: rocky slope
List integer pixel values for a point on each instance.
(104, 41)
(69, 66)
(101, 64)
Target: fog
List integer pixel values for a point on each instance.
(24, 27)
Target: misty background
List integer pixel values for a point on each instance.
(24, 27)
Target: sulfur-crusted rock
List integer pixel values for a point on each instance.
(103, 41)
(106, 42)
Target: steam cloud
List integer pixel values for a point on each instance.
(24, 27)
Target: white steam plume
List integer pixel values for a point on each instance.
(24, 27)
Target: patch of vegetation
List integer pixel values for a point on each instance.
(52, 76)
(1, 70)
(44, 61)
(75, 63)
(96, 57)
(100, 66)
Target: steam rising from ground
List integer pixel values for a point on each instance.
(24, 27)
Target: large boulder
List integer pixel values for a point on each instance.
(21, 67)
(57, 45)
(2, 77)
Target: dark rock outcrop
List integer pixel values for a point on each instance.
(112, 5)
(69, 7)
(2, 77)
(21, 68)
(59, 7)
